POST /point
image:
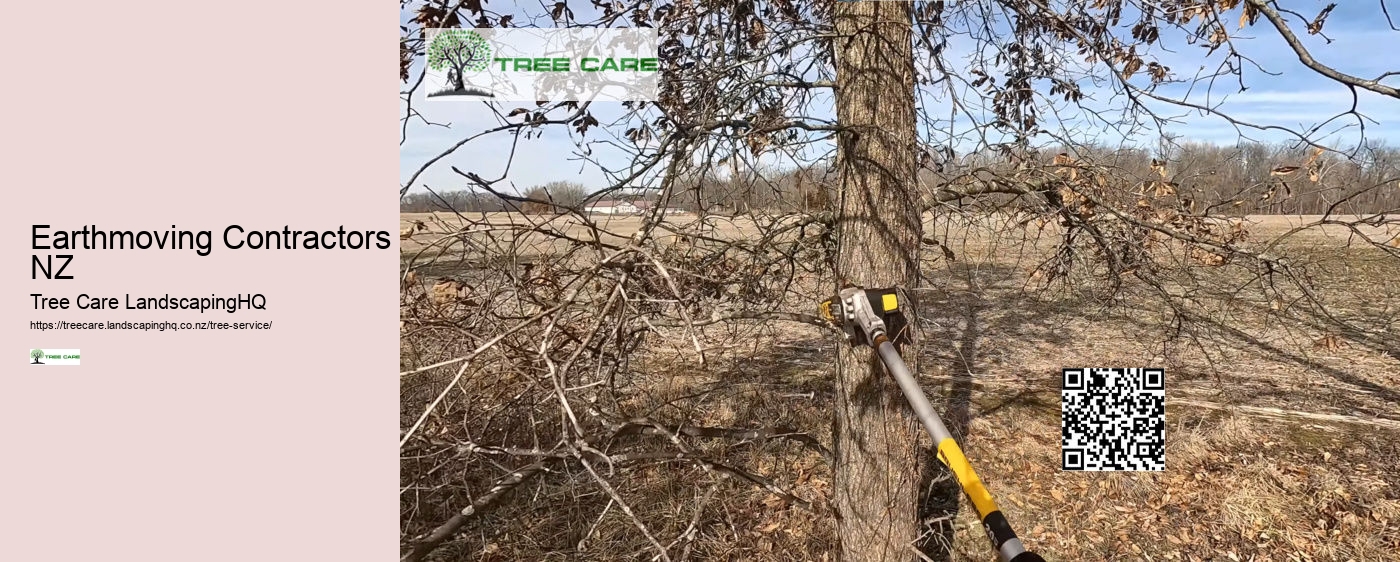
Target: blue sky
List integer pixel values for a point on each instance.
(1288, 94)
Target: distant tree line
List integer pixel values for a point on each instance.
(552, 197)
(1249, 178)
(462, 201)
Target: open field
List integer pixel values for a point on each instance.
(1283, 435)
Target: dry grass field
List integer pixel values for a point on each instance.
(1283, 435)
(618, 228)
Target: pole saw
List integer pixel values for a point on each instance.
(863, 314)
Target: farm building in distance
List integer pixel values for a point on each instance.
(622, 207)
(612, 207)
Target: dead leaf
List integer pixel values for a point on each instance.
(1283, 170)
(1058, 495)
(448, 290)
(1330, 342)
(1315, 26)
(1249, 15)
(1132, 67)
(1067, 196)
(1316, 153)
(1207, 257)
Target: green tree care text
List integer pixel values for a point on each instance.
(586, 64)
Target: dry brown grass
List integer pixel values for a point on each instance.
(1277, 448)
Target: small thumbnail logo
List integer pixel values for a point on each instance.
(54, 357)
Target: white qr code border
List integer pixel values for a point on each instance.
(1113, 419)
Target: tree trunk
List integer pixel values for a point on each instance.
(877, 469)
(458, 82)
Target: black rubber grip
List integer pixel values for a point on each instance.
(1027, 557)
(998, 530)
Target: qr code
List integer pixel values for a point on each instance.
(1113, 419)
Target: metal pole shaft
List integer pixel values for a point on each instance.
(1004, 540)
(913, 392)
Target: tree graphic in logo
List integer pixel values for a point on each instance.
(36, 354)
(459, 51)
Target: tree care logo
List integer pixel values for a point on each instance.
(458, 52)
(54, 357)
(531, 64)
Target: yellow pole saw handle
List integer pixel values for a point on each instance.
(866, 315)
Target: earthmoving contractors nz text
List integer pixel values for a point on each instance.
(201, 242)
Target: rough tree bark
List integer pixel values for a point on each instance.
(877, 462)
